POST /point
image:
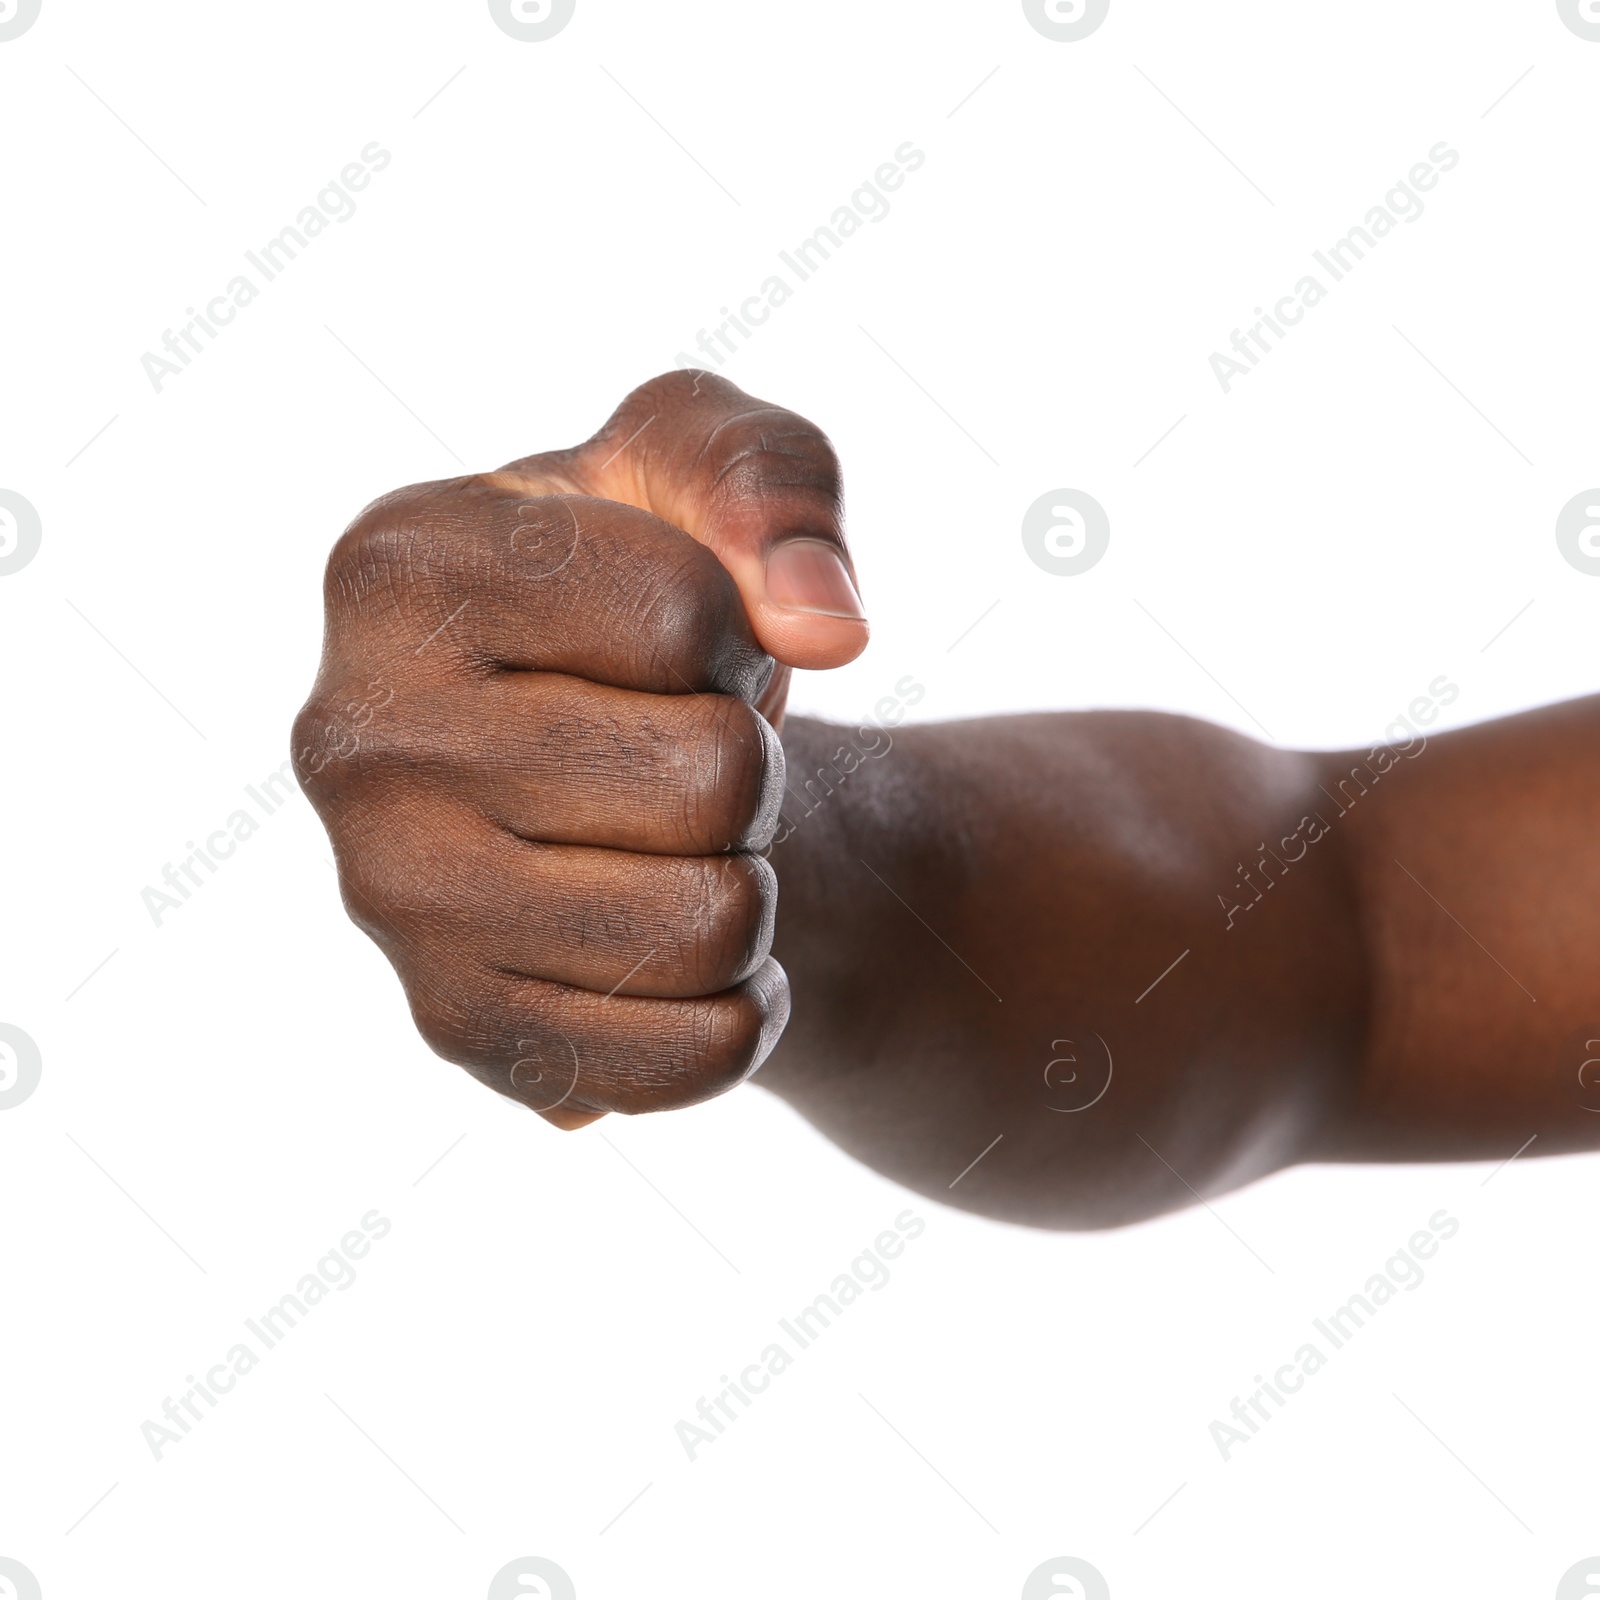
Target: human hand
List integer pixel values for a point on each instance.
(542, 741)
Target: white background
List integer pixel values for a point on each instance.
(230, 1092)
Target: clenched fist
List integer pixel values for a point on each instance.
(541, 740)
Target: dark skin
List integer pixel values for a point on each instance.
(542, 740)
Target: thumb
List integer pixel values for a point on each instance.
(757, 484)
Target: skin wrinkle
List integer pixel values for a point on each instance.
(703, 787)
(710, 915)
(713, 438)
(764, 448)
(612, 763)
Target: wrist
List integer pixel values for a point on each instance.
(835, 814)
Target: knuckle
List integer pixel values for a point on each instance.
(679, 396)
(309, 746)
(395, 752)
(693, 617)
(768, 451)
(336, 722)
(429, 735)
(732, 1035)
(725, 767)
(409, 880)
(413, 538)
(467, 1019)
(378, 902)
(726, 928)
(442, 1024)
(372, 552)
(748, 445)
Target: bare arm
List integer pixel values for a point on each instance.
(1070, 970)
(1378, 955)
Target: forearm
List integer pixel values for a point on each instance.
(1381, 955)
(991, 897)
(1476, 862)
